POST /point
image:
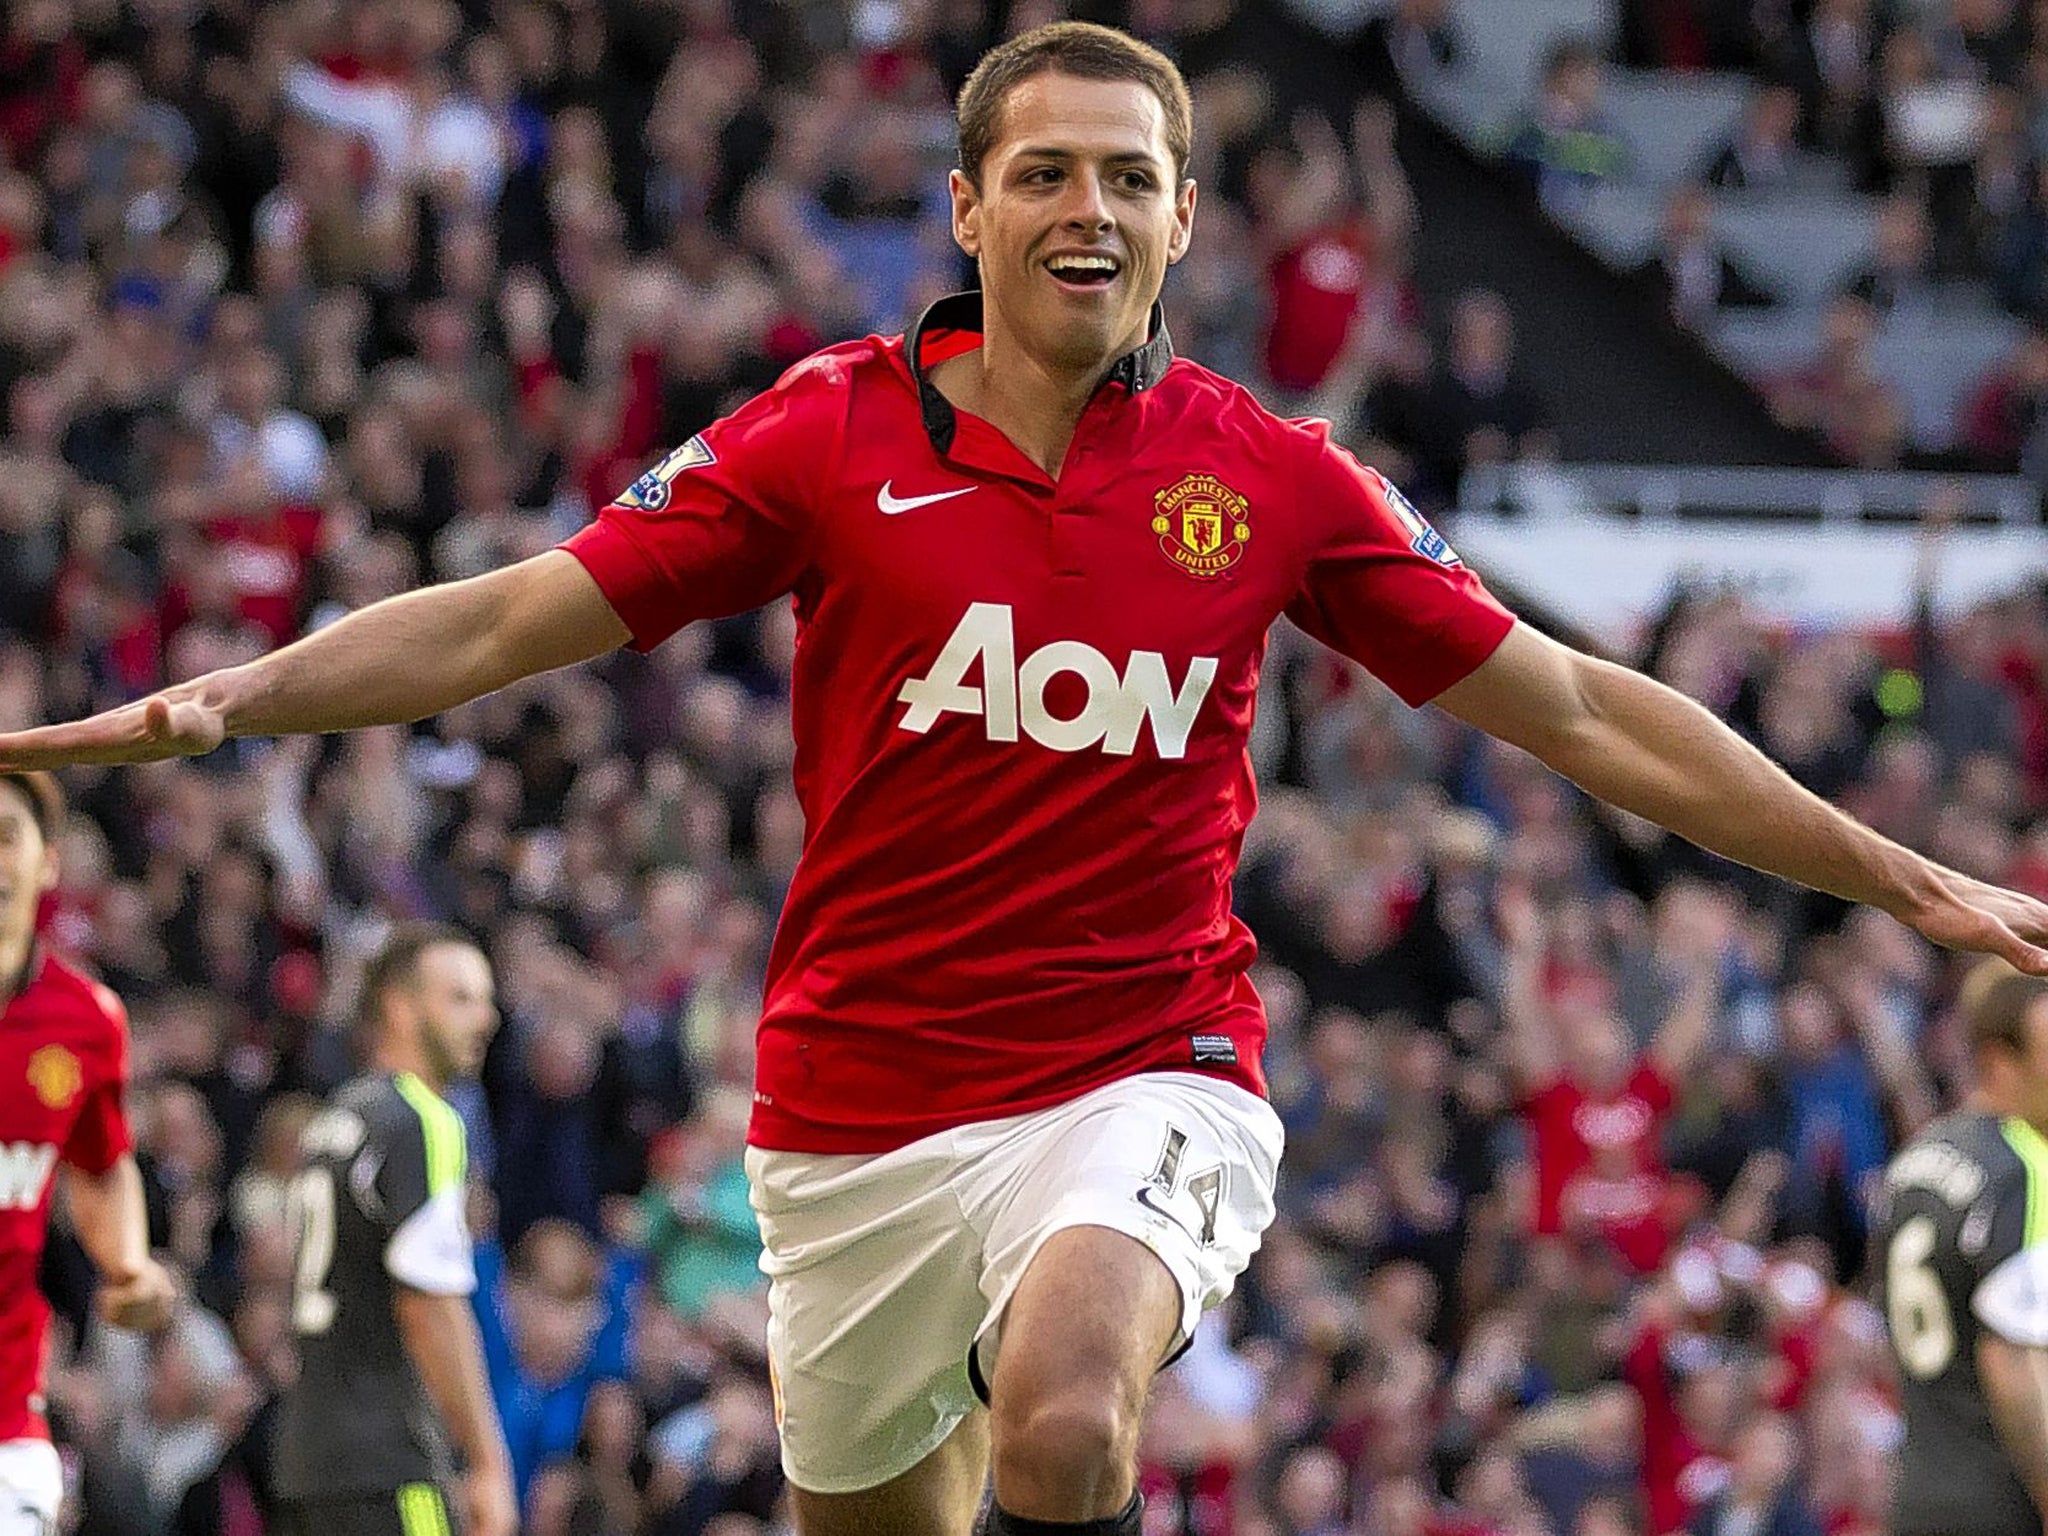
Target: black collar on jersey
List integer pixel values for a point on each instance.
(12, 987)
(1136, 370)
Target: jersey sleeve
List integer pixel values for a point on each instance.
(1383, 587)
(2009, 1255)
(100, 1136)
(722, 524)
(416, 1193)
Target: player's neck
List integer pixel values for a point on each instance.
(1986, 1099)
(402, 1059)
(1034, 401)
(17, 954)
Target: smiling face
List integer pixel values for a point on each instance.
(1076, 217)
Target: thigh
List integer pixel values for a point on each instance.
(1183, 1167)
(872, 1308)
(1095, 1313)
(940, 1496)
(31, 1488)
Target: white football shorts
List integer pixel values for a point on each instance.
(31, 1487)
(889, 1273)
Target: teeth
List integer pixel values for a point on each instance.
(1084, 264)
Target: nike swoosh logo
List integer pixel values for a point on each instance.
(891, 505)
(1145, 1198)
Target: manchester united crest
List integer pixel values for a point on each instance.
(55, 1075)
(1203, 525)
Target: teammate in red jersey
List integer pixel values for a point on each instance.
(1008, 1129)
(63, 1065)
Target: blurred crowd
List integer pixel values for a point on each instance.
(303, 304)
(1937, 110)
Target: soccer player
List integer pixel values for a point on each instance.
(1009, 1133)
(63, 1067)
(391, 1364)
(1963, 1240)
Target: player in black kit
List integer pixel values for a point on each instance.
(391, 1364)
(1963, 1249)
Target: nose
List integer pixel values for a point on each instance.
(1087, 211)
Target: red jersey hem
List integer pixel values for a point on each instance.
(619, 568)
(1466, 654)
(773, 1130)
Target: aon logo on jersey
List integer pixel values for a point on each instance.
(24, 1170)
(1013, 697)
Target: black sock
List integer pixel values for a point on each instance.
(1002, 1523)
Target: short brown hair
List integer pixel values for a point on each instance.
(1995, 1001)
(45, 800)
(1080, 49)
(397, 964)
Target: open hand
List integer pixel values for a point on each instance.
(180, 722)
(1969, 914)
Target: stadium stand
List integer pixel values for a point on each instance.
(1937, 130)
(304, 303)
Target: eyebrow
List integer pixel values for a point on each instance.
(1123, 157)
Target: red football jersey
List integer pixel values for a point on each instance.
(63, 1066)
(1021, 707)
(1600, 1162)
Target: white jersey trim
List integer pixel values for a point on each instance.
(2012, 1301)
(431, 1250)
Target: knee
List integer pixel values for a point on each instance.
(1071, 1434)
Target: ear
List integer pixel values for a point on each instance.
(966, 213)
(1183, 222)
(46, 879)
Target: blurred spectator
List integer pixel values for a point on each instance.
(1597, 1108)
(1761, 1498)
(1830, 57)
(1896, 281)
(555, 1324)
(1567, 146)
(1758, 156)
(1691, 271)
(1406, 48)
(700, 1230)
(1840, 395)
(2002, 420)
(1476, 407)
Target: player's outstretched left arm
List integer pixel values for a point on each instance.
(394, 662)
(108, 1213)
(1648, 749)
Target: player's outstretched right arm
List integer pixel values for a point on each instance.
(394, 662)
(2015, 1378)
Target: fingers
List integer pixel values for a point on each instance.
(2029, 959)
(155, 728)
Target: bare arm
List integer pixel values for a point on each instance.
(394, 662)
(441, 1338)
(1531, 1041)
(108, 1214)
(2015, 1378)
(1646, 748)
(1683, 1035)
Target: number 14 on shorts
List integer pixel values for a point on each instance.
(1205, 1187)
